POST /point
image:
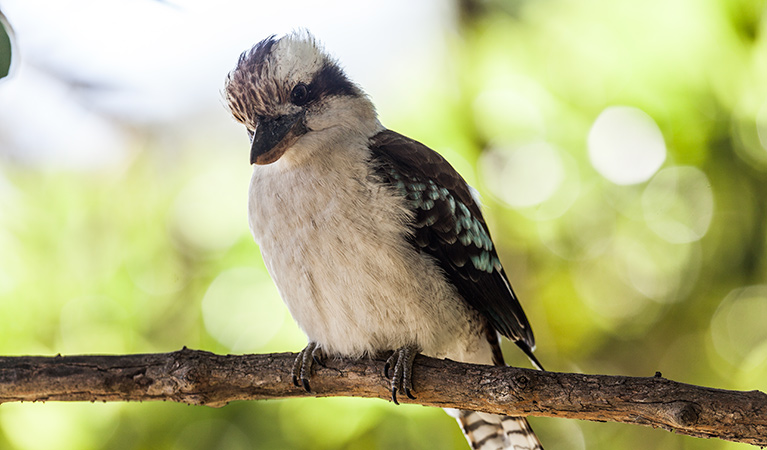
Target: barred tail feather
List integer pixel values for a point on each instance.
(519, 434)
(492, 432)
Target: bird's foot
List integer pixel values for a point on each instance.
(402, 379)
(304, 363)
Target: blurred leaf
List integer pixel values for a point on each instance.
(6, 33)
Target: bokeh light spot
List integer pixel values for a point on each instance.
(509, 113)
(612, 301)
(523, 176)
(655, 268)
(63, 426)
(753, 370)
(584, 231)
(737, 327)
(242, 309)
(678, 204)
(327, 422)
(625, 145)
(83, 317)
(209, 212)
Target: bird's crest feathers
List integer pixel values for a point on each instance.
(261, 83)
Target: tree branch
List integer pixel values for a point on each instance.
(202, 378)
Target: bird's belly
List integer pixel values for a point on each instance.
(356, 286)
(362, 294)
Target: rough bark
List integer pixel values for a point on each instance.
(202, 378)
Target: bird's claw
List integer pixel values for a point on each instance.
(304, 363)
(402, 379)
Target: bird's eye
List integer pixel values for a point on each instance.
(300, 94)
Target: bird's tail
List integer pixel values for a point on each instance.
(492, 432)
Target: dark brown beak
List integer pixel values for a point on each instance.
(274, 136)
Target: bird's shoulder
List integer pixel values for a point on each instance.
(415, 160)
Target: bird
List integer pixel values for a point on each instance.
(376, 244)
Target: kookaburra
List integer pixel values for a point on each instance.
(375, 242)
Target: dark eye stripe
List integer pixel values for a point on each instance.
(331, 80)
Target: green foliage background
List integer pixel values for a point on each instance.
(156, 255)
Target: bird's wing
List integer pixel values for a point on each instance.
(449, 226)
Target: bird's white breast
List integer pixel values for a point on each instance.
(334, 240)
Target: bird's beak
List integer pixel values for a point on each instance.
(274, 136)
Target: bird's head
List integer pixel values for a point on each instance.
(287, 91)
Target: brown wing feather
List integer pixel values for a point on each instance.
(449, 226)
